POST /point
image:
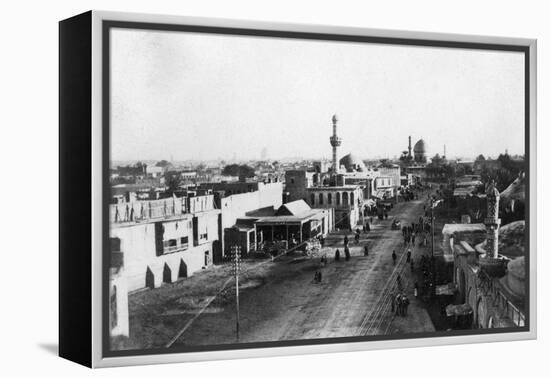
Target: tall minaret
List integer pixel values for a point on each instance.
(410, 146)
(492, 222)
(335, 142)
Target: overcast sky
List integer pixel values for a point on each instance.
(199, 96)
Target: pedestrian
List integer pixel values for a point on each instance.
(346, 252)
(366, 252)
(405, 302)
(337, 255)
(356, 238)
(409, 255)
(346, 241)
(385, 215)
(394, 256)
(398, 305)
(368, 226)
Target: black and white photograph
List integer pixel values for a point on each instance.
(271, 189)
(290, 188)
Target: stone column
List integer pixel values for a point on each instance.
(492, 222)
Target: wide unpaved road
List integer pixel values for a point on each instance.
(352, 290)
(350, 301)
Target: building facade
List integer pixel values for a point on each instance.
(346, 200)
(164, 240)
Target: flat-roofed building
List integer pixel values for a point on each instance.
(164, 240)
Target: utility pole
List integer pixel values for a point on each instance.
(236, 268)
(434, 204)
(433, 247)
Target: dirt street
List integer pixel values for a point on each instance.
(351, 300)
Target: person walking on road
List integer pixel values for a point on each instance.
(409, 255)
(394, 257)
(366, 252)
(337, 255)
(405, 304)
(346, 253)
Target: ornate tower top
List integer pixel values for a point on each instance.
(492, 190)
(334, 119)
(491, 262)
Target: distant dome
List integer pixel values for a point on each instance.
(420, 147)
(352, 163)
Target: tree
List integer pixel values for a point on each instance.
(172, 181)
(238, 170)
(162, 163)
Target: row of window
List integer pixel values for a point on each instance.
(174, 245)
(343, 199)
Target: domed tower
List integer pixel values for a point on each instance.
(420, 151)
(335, 142)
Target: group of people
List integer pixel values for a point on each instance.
(413, 232)
(347, 254)
(400, 304)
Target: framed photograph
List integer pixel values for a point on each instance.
(232, 189)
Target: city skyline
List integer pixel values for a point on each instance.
(171, 92)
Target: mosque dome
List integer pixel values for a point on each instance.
(420, 151)
(420, 147)
(352, 163)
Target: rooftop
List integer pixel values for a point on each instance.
(451, 228)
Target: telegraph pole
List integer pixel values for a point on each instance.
(434, 204)
(433, 247)
(237, 267)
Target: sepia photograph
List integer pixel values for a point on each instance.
(272, 189)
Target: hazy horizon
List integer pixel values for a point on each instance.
(189, 96)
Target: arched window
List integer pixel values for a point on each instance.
(345, 198)
(329, 198)
(337, 198)
(312, 199)
(320, 198)
(352, 199)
